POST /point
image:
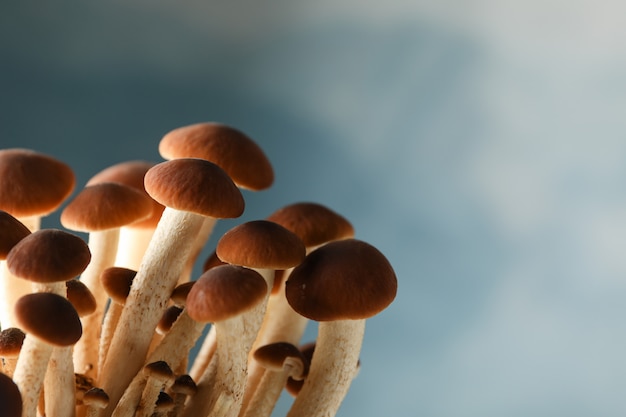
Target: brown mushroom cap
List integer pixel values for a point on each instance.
(196, 186)
(33, 184)
(211, 262)
(293, 386)
(273, 356)
(223, 292)
(131, 173)
(11, 232)
(314, 223)
(81, 297)
(49, 317)
(49, 255)
(96, 397)
(232, 150)
(185, 385)
(10, 397)
(106, 205)
(11, 340)
(261, 244)
(342, 280)
(117, 282)
(180, 293)
(169, 317)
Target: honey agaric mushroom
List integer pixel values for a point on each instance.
(191, 189)
(340, 285)
(101, 210)
(48, 320)
(280, 361)
(224, 296)
(135, 237)
(11, 288)
(183, 387)
(158, 377)
(11, 340)
(10, 397)
(95, 400)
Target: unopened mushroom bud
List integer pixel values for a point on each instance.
(340, 285)
(159, 376)
(11, 341)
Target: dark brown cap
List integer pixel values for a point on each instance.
(131, 173)
(117, 282)
(49, 255)
(293, 386)
(261, 244)
(223, 292)
(11, 340)
(159, 370)
(33, 184)
(10, 397)
(49, 317)
(169, 317)
(274, 355)
(163, 403)
(81, 297)
(185, 385)
(225, 146)
(106, 205)
(314, 223)
(196, 186)
(11, 232)
(96, 397)
(342, 280)
(180, 293)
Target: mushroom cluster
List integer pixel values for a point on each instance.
(107, 325)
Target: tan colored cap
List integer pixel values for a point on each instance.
(81, 297)
(33, 184)
(314, 223)
(104, 206)
(261, 244)
(117, 282)
(225, 146)
(223, 292)
(131, 173)
(12, 231)
(49, 255)
(49, 317)
(342, 280)
(10, 397)
(196, 186)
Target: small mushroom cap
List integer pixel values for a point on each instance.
(11, 232)
(10, 397)
(104, 206)
(159, 370)
(180, 293)
(81, 297)
(196, 186)
(11, 340)
(229, 148)
(169, 317)
(293, 386)
(314, 223)
(49, 317)
(261, 244)
(164, 403)
(275, 356)
(33, 184)
(342, 280)
(96, 397)
(212, 261)
(49, 255)
(131, 173)
(117, 282)
(185, 385)
(223, 292)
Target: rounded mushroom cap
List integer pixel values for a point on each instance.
(12, 231)
(33, 184)
(180, 293)
(185, 385)
(196, 186)
(212, 261)
(223, 292)
(225, 146)
(49, 255)
(96, 397)
(159, 370)
(117, 282)
(131, 173)
(169, 317)
(11, 340)
(275, 356)
(10, 397)
(81, 297)
(261, 244)
(106, 205)
(314, 223)
(342, 280)
(49, 317)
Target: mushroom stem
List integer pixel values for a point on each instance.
(200, 241)
(132, 246)
(111, 318)
(333, 367)
(11, 289)
(204, 355)
(103, 248)
(59, 383)
(30, 371)
(155, 280)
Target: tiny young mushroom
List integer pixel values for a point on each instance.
(182, 388)
(340, 285)
(101, 210)
(11, 341)
(48, 320)
(164, 405)
(158, 377)
(281, 361)
(230, 149)
(191, 189)
(10, 397)
(95, 400)
(224, 296)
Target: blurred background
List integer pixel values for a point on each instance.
(479, 144)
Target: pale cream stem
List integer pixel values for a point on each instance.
(103, 247)
(109, 324)
(30, 371)
(266, 394)
(333, 367)
(201, 239)
(59, 383)
(133, 243)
